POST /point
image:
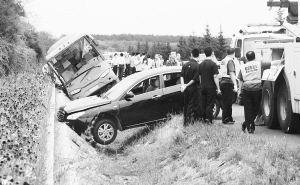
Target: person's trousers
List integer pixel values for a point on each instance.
(252, 101)
(227, 98)
(127, 70)
(133, 70)
(208, 100)
(121, 70)
(190, 105)
(115, 69)
(199, 110)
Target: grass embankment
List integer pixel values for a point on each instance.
(200, 154)
(24, 107)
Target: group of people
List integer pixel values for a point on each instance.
(202, 83)
(136, 62)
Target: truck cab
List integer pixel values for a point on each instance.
(80, 66)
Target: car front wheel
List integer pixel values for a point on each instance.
(105, 131)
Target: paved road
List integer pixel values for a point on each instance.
(274, 136)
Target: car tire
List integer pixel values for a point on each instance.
(288, 121)
(105, 131)
(216, 109)
(269, 106)
(61, 115)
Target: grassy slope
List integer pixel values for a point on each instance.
(24, 104)
(198, 154)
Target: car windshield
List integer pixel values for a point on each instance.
(119, 89)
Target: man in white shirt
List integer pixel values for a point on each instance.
(138, 63)
(132, 64)
(157, 61)
(127, 64)
(115, 63)
(121, 65)
(150, 62)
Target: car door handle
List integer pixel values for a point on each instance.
(156, 96)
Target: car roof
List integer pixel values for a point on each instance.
(63, 43)
(152, 72)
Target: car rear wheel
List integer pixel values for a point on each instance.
(105, 131)
(216, 109)
(269, 105)
(287, 119)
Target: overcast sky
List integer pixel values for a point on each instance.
(158, 17)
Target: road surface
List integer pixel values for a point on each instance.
(274, 136)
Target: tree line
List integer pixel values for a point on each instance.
(185, 45)
(138, 38)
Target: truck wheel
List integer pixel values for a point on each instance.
(105, 131)
(269, 109)
(287, 119)
(216, 109)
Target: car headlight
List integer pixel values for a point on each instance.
(75, 91)
(105, 73)
(75, 116)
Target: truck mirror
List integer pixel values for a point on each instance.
(237, 52)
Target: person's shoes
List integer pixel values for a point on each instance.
(231, 120)
(243, 126)
(256, 120)
(208, 122)
(228, 121)
(261, 121)
(251, 131)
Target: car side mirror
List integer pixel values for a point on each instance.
(237, 52)
(128, 95)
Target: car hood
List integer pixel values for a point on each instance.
(85, 103)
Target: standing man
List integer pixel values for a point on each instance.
(189, 85)
(121, 62)
(208, 71)
(150, 62)
(132, 65)
(115, 63)
(127, 64)
(138, 63)
(228, 85)
(250, 80)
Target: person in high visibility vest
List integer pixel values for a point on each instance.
(250, 79)
(228, 85)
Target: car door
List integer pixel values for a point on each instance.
(143, 107)
(172, 98)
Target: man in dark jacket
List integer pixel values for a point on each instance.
(189, 86)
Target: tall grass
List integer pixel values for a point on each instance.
(210, 154)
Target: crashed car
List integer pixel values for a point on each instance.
(140, 99)
(80, 67)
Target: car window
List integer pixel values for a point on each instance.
(147, 85)
(171, 79)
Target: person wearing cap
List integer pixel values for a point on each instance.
(228, 85)
(189, 86)
(250, 80)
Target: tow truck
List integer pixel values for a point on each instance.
(281, 83)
